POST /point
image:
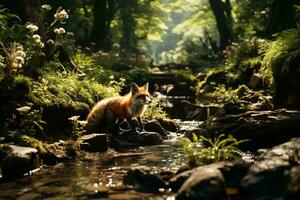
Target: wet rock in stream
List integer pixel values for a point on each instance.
(94, 142)
(154, 126)
(18, 161)
(168, 124)
(144, 179)
(132, 138)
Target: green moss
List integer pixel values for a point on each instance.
(27, 141)
(280, 53)
(57, 89)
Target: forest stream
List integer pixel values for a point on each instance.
(98, 175)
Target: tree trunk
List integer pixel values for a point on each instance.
(129, 40)
(222, 13)
(103, 12)
(282, 16)
(26, 10)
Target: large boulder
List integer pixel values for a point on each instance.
(19, 161)
(273, 176)
(264, 129)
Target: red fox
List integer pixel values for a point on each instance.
(110, 112)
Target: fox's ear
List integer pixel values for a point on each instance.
(134, 88)
(146, 86)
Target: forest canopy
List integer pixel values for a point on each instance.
(182, 30)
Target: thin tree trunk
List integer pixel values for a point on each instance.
(129, 40)
(282, 16)
(101, 26)
(221, 17)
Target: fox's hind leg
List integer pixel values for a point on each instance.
(113, 123)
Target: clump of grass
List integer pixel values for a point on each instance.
(204, 150)
(154, 111)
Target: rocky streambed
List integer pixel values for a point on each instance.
(158, 170)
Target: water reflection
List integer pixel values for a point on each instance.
(94, 176)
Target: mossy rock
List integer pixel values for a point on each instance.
(57, 117)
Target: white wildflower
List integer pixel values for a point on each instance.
(74, 118)
(20, 53)
(59, 31)
(19, 47)
(32, 28)
(24, 109)
(36, 37)
(20, 60)
(51, 42)
(41, 45)
(111, 77)
(61, 15)
(116, 46)
(46, 7)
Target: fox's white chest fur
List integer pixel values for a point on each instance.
(136, 109)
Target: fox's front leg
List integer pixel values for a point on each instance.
(130, 122)
(140, 123)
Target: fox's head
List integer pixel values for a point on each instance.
(140, 95)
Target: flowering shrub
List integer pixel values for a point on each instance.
(14, 58)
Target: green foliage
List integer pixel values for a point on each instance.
(26, 121)
(185, 74)
(154, 111)
(58, 89)
(9, 28)
(237, 53)
(222, 94)
(250, 17)
(208, 150)
(281, 53)
(123, 66)
(14, 59)
(199, 36)
(78, 128)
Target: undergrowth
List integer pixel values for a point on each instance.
(154, 111)
(58, 89)
(204, 150)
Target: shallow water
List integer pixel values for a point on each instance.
(95, 175)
